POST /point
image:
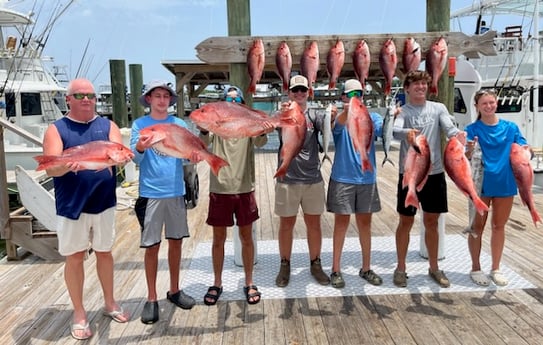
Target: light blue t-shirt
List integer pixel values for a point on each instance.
(495, 142)
(347, 166)
(160, 176)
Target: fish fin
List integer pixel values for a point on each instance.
(417, 149)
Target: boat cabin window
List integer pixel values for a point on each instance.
(540, 99)
(30, 104)
(459, 104)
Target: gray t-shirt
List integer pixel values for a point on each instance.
(431, 119)
(305, 168)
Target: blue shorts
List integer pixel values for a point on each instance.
(432, 197)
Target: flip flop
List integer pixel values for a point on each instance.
(117, 315)
(80, 327)
(210, 298)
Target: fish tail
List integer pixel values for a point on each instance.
(411, 199)
(480, 206)
(332, 84)
(386, 159)
(216, 163)
(281, 171)
(285, 85)
(43, 161)
(388, 88)
(252, 89)
(326, 157)
(433, 90)
(311, 93)
(535, 217)
(366, 165)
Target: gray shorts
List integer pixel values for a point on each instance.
(345, 198)
(154, 214)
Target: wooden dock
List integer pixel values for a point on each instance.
(35, 307)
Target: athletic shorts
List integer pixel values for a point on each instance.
(289, 198)
(223, 208)
(96, 231)
(346, 198)
(432, 197)
(155, 214)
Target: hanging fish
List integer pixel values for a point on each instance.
(283, 63)
(388, 62)
(309, 64)
(334, 62)
(411, 56)
(361, 62)
(436, 60)
(255, 64)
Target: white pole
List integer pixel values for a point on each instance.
(536, 137)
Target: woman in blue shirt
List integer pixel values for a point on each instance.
(495, 137)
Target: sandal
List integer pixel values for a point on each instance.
(79, 327)
(212, 298)
(479, 278)
(254, 297)
(498, 278)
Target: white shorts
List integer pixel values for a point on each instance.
(96, 231)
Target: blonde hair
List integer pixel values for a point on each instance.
(481, 93)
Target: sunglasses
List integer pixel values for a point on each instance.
(298, 89)
(80, 96)
(233, 99)
(354, 93)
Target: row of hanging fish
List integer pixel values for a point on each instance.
(436, 59)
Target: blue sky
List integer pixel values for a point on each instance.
(147, 32)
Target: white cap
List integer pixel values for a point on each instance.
(298, 80)
(352, 85)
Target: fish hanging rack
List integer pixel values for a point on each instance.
(233, 49)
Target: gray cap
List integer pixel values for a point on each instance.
(153, 85)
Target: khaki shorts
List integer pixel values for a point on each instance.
(96, 231)
(289, 198)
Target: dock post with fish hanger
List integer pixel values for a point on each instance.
(234, 49)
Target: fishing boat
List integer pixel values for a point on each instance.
(515, 72)
(30, 96)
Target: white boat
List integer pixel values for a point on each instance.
(30, 96)
(515, 72)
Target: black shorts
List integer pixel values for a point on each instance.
(432, 197)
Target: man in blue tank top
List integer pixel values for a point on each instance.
(85, 203)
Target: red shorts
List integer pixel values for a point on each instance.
(223, 207)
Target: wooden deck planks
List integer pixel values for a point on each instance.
(35, 307)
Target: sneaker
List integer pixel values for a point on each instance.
(440, 278)
(283, 276)
(371, 277)
(337, 280)
(181, 299)
(400, 278)
(318, 273)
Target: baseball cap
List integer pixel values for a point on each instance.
(298, 80)
(153, 85)
(352, 85)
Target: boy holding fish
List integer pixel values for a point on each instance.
(232, 193)
(85, 200)
(353, 179)
(420, 117)
(161, 200)
(300, 183)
